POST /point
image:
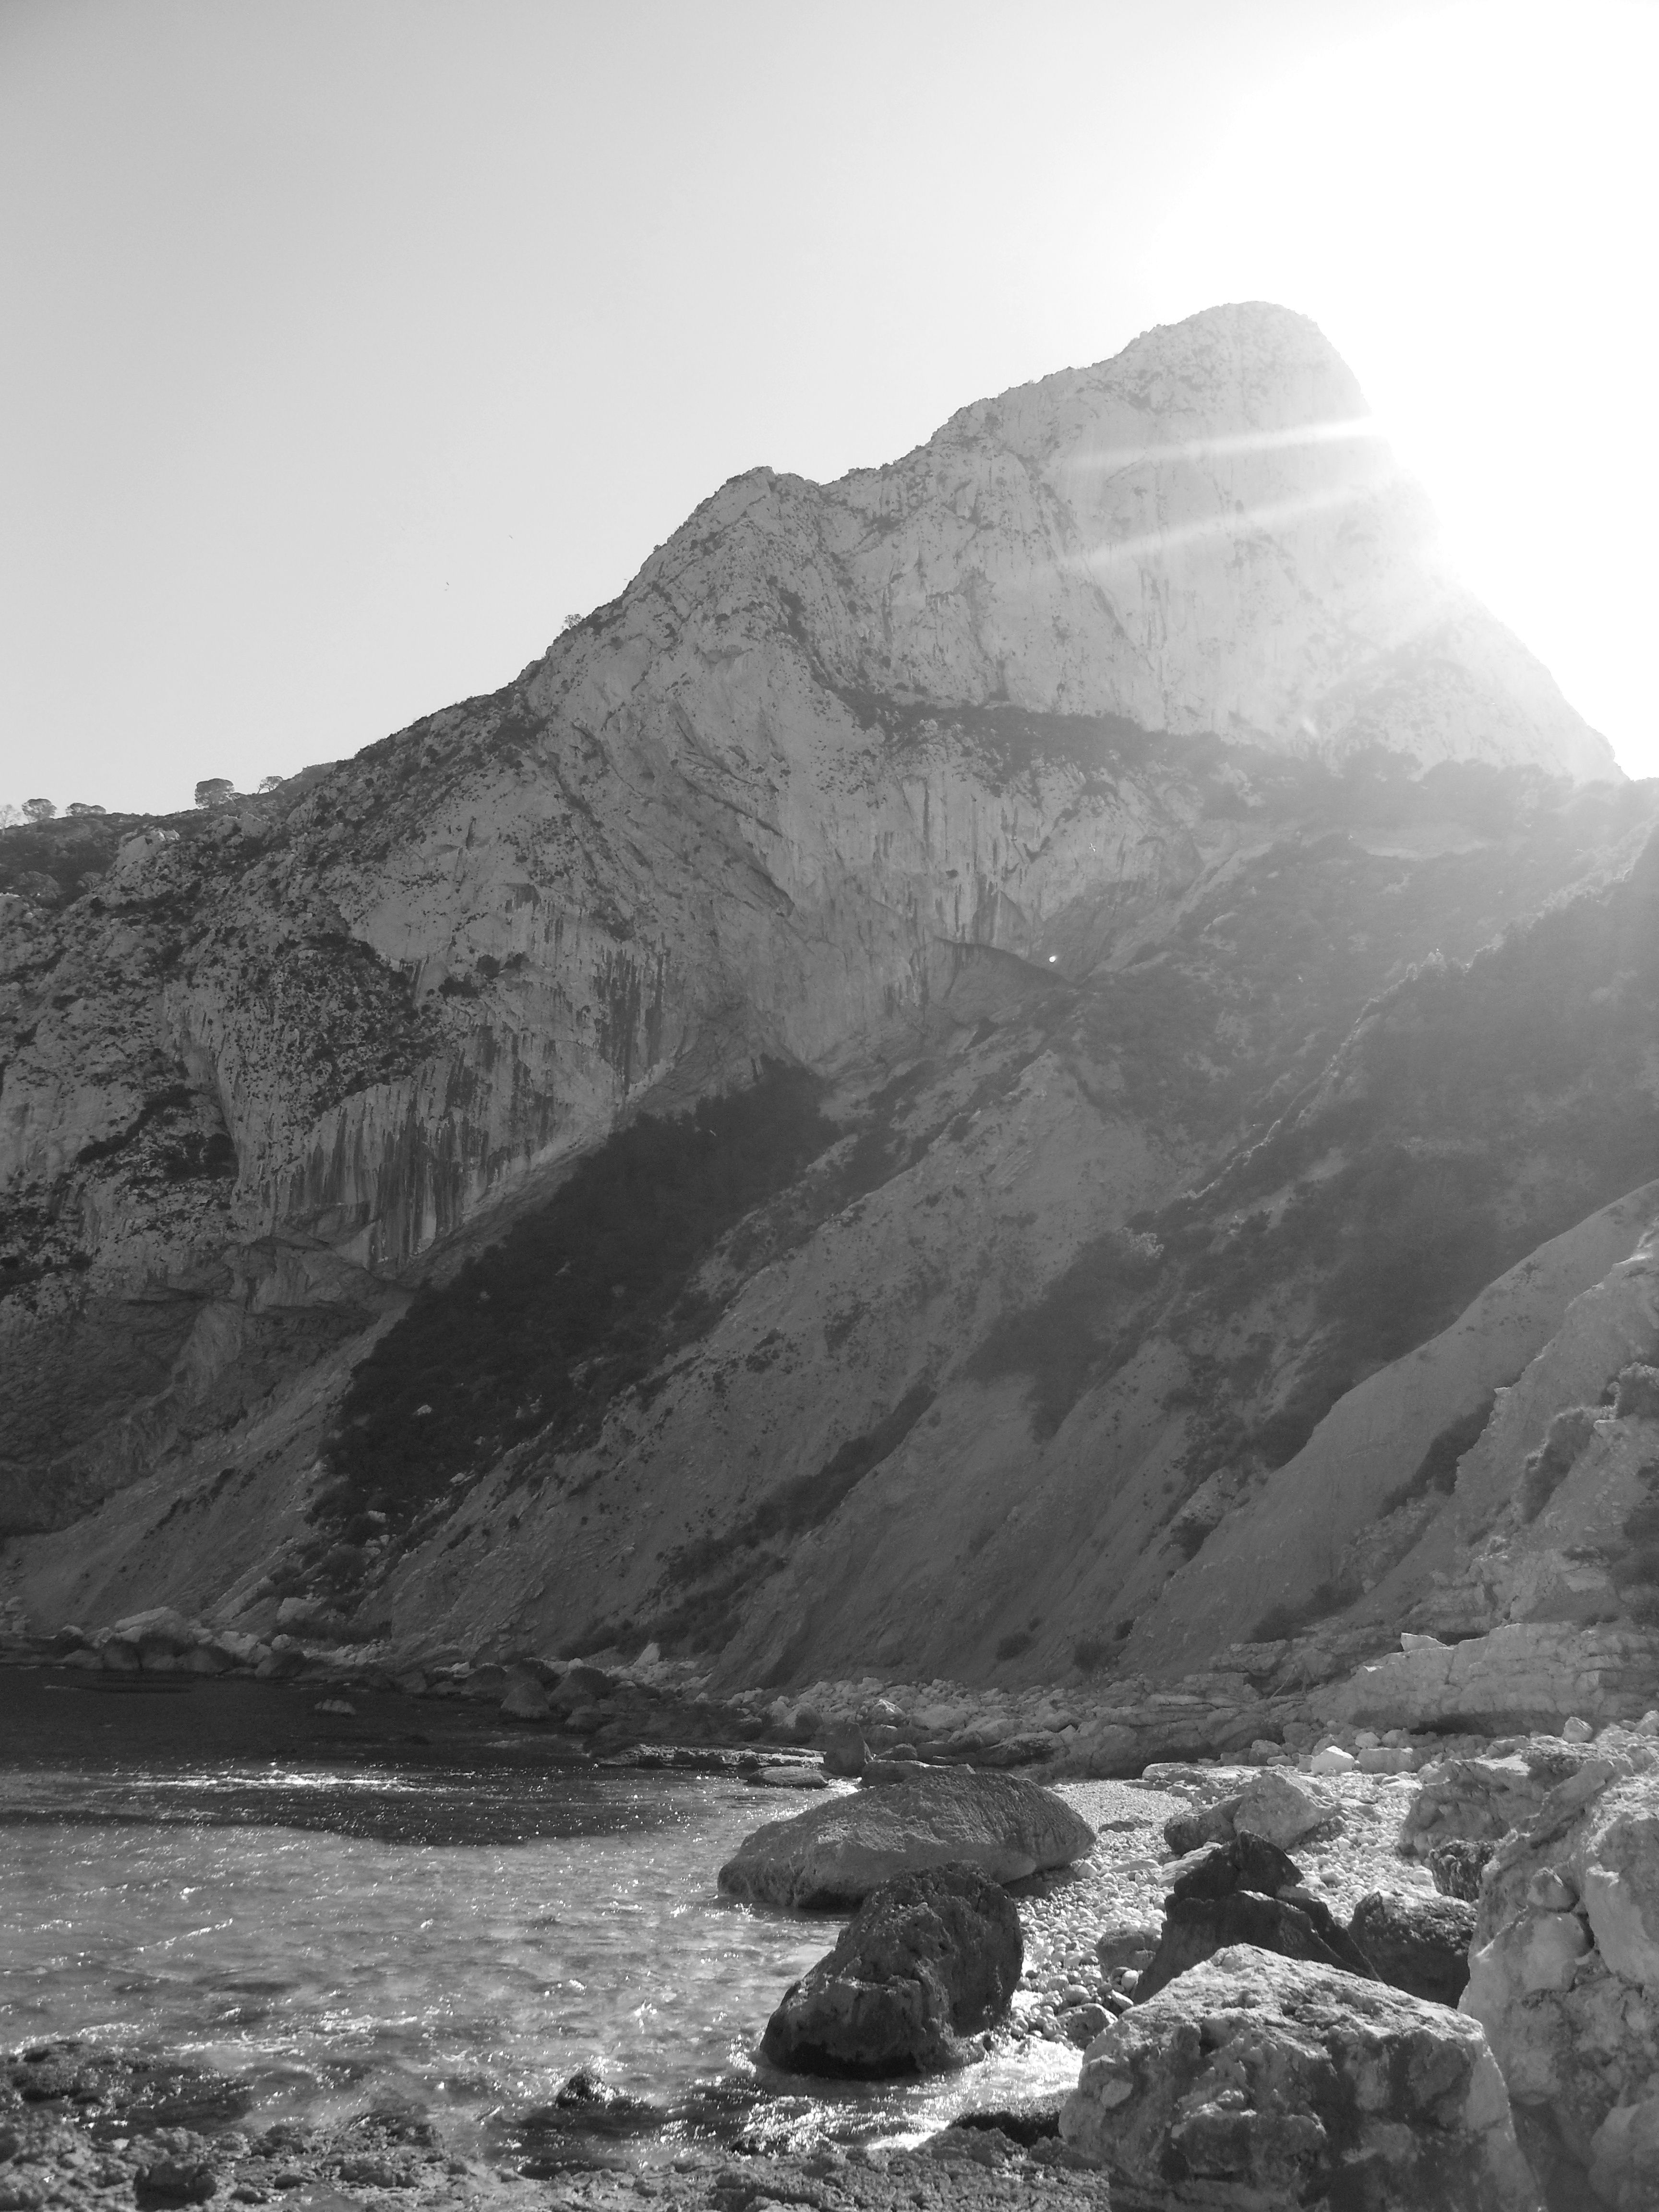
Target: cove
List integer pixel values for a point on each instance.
(437, 1928)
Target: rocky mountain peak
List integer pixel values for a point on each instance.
(1248, 366)
(1047, 807)
(1207, 534)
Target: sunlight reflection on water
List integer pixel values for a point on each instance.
(325, 1936)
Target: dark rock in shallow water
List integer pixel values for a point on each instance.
(1419, 1944)
(923, 1962)
(135, 2094)
(524, 1696)
(584, 2105)
(1039, 2125)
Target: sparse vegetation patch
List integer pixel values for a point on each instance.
(538, 1335)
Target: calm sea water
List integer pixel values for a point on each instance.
(458, 1935)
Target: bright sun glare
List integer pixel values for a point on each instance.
(1465, 202)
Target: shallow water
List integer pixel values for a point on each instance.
(458, 1939)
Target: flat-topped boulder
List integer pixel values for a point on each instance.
(830, 1858)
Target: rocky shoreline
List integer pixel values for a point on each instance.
(82, 2128)
(1289, 1702)
(1388, 1821)
(387, 2162)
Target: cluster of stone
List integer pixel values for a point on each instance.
(1272, 2048)
(1565, 1972)
(1520, 1674)
(606, 1709)
(83, 2129)
(1285, 1703)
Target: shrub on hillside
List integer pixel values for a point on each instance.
(1637, 1394)
(1437, 1468)
(1544, 1470)
(1636, 1574)
(579, 1301)
(1290, 1616)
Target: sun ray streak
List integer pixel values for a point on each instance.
(1268, 515)
(1108, 460)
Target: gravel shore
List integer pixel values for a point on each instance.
(1121, 1886)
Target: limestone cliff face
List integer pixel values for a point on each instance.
(1088, 770)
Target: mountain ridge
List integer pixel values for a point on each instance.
(1068, 870)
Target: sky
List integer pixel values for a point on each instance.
(352, 345)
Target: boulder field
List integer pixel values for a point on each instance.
(1329, 2027)
(1264, 2063)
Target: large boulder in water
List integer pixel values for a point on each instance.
(832, 1856)
(924, 1961)
(1277, 2084)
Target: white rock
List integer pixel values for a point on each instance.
(1331, 1760)
(1282, 1810)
